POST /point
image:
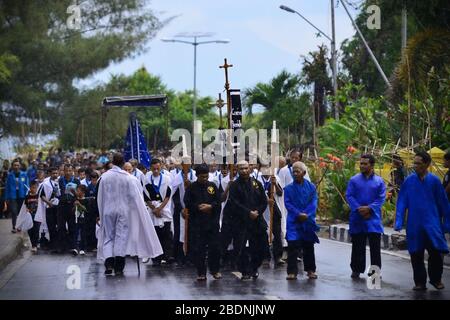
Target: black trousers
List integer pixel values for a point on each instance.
(309, 258)
(178, 253)
(66, 236)
(277, 241)
(14, 208)
(51, 220)
(228, 233)
(116, 263)
(79, 237)
(166, 239)
(250, 258)
(358, 260)
(33, 233)
(435, 265)
(205, 241)
(91, 240)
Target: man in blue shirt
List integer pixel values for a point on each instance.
(428, 218)
(17, 186)
(300, 198)
(366, 193)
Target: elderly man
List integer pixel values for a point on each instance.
(300, 198)
(249, 202)
(125, 225)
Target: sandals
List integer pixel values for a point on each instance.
(438, 285)
(217, 275)
(291, 277)
(201, 278)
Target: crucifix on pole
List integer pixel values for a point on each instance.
(227, 88)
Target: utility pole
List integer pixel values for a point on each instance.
(334, 61)
(372, 56)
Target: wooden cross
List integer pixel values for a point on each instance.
(226, 66)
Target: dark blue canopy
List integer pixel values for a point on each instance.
(136, 101)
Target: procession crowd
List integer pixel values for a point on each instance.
(216, 217)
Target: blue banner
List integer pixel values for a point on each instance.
(136, 147)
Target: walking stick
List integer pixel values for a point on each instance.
(271, 207)
(186, 231)
(138, 265)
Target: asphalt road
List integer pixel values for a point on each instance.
(46, 276)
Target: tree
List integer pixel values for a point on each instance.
(52, 57)
(315, 73)
(85, 108)
(282, 102)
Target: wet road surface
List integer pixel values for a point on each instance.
(44, 276)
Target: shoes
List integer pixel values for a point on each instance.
(245, 277)
(255, 275)
(280, 262)
(14, 230)
(266, 263)
(201, 278)
(74, 252)
(312, 275)
(291, 276)
(420, 287)
(355, 275)
(34, 249)
(82, 253)
(118, 272)
(145, 260)
(439, 285)
(108, 272)
(217, 275)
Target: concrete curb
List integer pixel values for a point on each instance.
(340, 232)
(11, 251)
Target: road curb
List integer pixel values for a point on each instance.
(389, 240)
(11, 251)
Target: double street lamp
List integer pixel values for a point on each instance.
(195, 43)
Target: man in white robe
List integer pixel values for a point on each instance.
(125, 225)
(48, 202)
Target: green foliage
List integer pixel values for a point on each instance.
(364, 121)
(34, 35)
(81, 125)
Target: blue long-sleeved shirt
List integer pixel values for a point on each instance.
(16, 187)
(428, 212)
(301, 198)
(371, 192)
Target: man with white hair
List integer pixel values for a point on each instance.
(249, 202)
(300, 198)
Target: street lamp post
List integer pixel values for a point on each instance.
(195, 43)
(333, 50)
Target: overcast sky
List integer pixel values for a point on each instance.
(263, 41)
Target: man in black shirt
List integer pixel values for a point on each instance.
(249, 202)
(202, 200)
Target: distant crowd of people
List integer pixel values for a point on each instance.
(217, 217)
